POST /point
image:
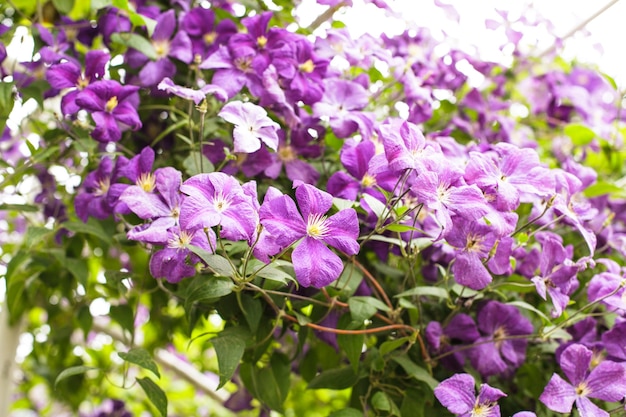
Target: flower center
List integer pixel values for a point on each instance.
(146, 182)
(221, 203)
(111, 104)
(308, 66)
(83, 82)
(481, 410)
(209, 38)
(316, 226)
(499, 335)
(443, 193)
(181, 241)
(243, 63)
(261, 41)
(368, 180)
(175, 213)
(474, 243)
(286, 153)
(103, 186)
(582, 390)
(162, 48)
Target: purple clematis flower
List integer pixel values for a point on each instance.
(557, 273)
(205, 36)
(218, 199)
(252, 126)
(314, 264)
(113, 108)
(96, 199)
(165, 47)
(606, 381)
(457, 394)
(494, 352)
(176, 261)
(69, 74)
(461, 330)
(162, 207)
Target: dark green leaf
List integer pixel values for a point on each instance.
(336, 378)
(362, 308)
(229, 346)
(92, 227)
(391, 345)
(7, 101)
(352, 345)
(272, 382)
(413, 403)
(526, 306)
(216, 263)
(252, 311)
(141, 357)
(138, 42)
(274, 274)
(123, 315)
(155, 394)
(74, 370)
(205, 288)
(415, 371)
(380, 401)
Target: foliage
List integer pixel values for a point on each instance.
(212, 210)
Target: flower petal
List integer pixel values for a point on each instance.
(315, 264)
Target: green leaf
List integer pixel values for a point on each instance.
(63, 6)
(415, 371)
(400, 228)
(74, 370)
(362, 308)
(216, 263)
(141, 357)
(273, 274)
(336, 378)
(391, 345)
(380, 401)
(526, 306)
(100, 4)
(346, 412)
(7, 100)
(427, 291)
(352, 344)
(138, 42)
(602, 188)
(375, 205)
(269, 384)
(229, 346)
(24, 208)
(155, 394)
(579, 134)
(35, 235)
(192, 164)
(205, 288)
(124, 316)
(92, 227)
(253, 310)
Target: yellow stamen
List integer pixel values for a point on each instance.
(307, 66)
(146, 182)
(111, 104)
(316, 226)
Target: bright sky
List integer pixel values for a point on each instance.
(603, 47)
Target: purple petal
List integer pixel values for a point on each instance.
(282, 220)
(469, 270)
(457, 393)
(313, 201)
(106, 129)
(166, 24)
(315, 264)
(343, 229)
(143, 204)
(607, 381)
(558, 395)
(588, 409)
(575, 362)
(95, 63)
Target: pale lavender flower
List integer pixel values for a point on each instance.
(192, 94)
(606, 381)
(252, 126)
